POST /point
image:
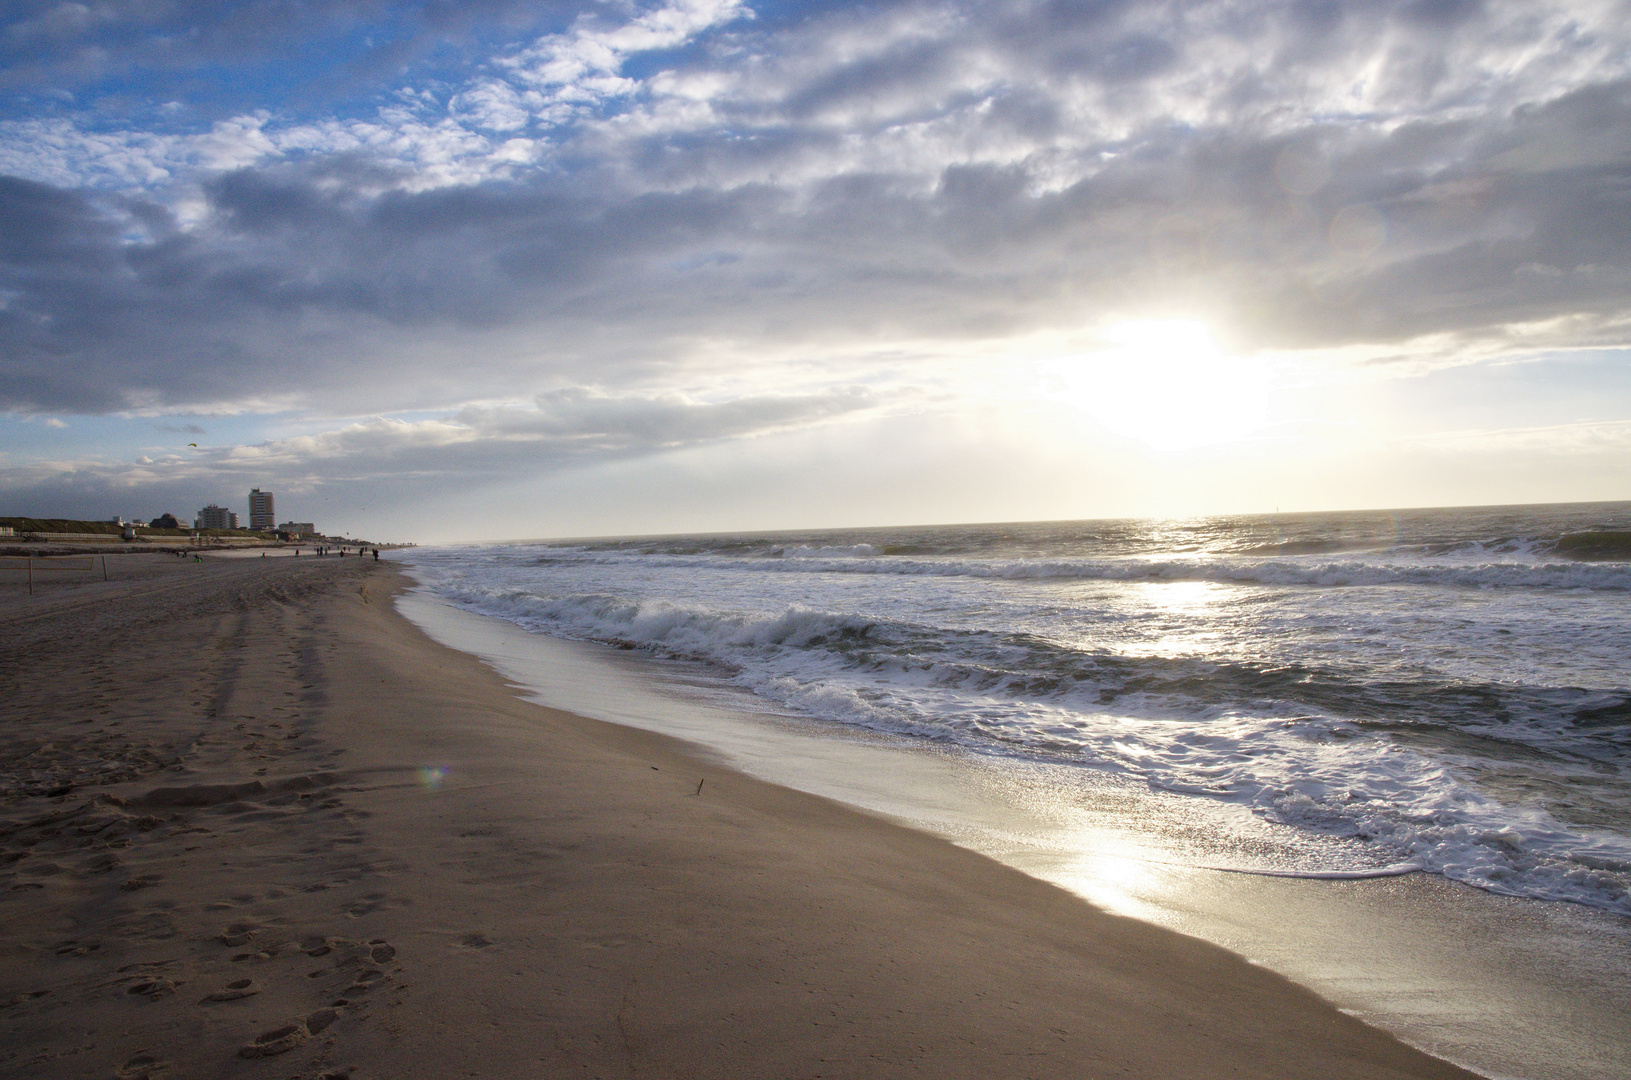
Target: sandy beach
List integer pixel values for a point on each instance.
(255, 823)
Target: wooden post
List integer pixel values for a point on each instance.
(104, 568)
(31, 577)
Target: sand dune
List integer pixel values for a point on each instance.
(255, 824)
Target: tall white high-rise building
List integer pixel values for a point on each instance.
(261, 514)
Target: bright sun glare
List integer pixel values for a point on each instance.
(1165, 383)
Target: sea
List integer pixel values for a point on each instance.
(1443, 691)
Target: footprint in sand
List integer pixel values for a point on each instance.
(98, 864)
(283, 1039)
(277, 1041)
(238, 934)
(155, 986)
(370, 903)
(366, 981)
(142, 1067)
(152, 925)
(266, 953)
(72, 947)
(238, 988)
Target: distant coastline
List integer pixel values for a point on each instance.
(46, 536)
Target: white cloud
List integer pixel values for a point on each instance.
(584, 64)
(561, 428)
(911, 90)
(551, 81)
(57, 152)
(493, 105)
(930, 180)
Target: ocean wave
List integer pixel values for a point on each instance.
(804, 551)
(1330, 573)
(1228, 732)
(692, 631)
(1578, 534)
(1308, 547)
(1469, 716)
(1589, 723)
(1450, 829)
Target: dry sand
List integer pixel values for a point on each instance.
(256, 824)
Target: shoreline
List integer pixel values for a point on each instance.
(275, 777)
(1504, 986)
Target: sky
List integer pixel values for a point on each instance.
(478, 269)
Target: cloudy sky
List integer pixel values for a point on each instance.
(459, 269)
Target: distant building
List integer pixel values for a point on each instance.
(298, 528)
(261, 514)
(167, 521)
(215, 517)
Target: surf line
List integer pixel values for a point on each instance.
(1392, 870)
(1395, 870)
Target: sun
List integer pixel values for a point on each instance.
(1167, 384)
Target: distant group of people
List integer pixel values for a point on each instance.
(361, 551)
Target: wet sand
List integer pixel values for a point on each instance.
(254, 823)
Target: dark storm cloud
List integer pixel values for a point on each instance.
(916, 172)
